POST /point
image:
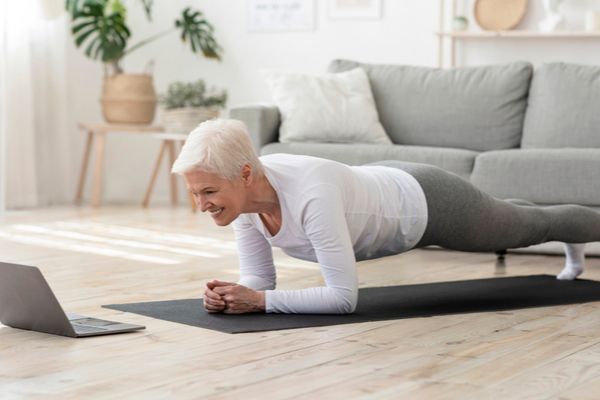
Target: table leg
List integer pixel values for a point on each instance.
(172, 177)
(84, 165)
(98, 169)
(190, 196)
(163, 148)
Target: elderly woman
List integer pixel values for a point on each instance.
(334, 214)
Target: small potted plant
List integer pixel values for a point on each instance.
(187, 104)
(100, 27)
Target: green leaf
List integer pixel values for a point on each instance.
(147, 4)
(192, 94)
(90, 48)
(76, 28)
(100, 23)
(116, 6)
(196, 31)
(81, 38)
(72, 6)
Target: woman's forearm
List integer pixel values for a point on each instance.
(256, 282)
(316, 300)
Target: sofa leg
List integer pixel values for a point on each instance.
(501, 255)
(500, 268)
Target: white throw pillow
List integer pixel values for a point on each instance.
(337, 108)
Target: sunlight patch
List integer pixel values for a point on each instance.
(84, 248)
(116, 242)
(148, 234)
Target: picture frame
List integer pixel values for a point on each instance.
(280, 15)
(354, 9)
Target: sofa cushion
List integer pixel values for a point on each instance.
(563, 110)
(335, 108)
(544, 176)
(476, 108)
(458, 161)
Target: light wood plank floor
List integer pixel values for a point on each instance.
(118, 255)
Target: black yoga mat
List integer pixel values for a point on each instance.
(388, 303)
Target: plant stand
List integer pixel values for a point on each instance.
(168, 145)
(95, 143)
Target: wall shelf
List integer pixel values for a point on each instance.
(451, 37)
(519, 34)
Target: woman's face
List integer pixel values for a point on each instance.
(221, 198)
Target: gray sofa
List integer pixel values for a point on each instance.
(512, 131)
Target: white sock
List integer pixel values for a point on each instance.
(575, 261)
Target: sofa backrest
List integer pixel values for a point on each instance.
(475, 108)
(564, 107)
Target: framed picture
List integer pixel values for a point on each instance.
(355, 9)
(280, 15)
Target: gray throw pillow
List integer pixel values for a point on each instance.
(475, 108)
(564, 107)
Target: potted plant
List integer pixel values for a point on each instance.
(188, 104)
(100, 26)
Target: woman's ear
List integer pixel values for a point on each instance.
(247, 174)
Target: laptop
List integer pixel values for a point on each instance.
(27, 302)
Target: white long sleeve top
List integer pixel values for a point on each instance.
(332, 214)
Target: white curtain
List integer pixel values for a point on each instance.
(2, 109)
(34, 132)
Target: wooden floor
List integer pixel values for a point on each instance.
(117, 255)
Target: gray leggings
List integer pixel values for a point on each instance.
(462, 217)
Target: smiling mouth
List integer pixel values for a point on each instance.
(216, 212)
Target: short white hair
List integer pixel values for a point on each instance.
(221, 146)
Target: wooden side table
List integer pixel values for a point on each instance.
(96, 138)
(168, 145)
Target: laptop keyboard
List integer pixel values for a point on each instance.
(87, 329)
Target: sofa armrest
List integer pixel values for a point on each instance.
(262, 122)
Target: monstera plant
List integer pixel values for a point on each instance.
(100, 28)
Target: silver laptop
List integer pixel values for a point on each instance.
(27, 302)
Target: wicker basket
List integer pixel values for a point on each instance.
(128, 98)
(185, 120)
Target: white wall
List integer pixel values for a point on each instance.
(404, 35)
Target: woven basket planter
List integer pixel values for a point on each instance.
(185, 120)
(129, 99)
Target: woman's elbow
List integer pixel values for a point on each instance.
(347, 302)
(349, 308)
